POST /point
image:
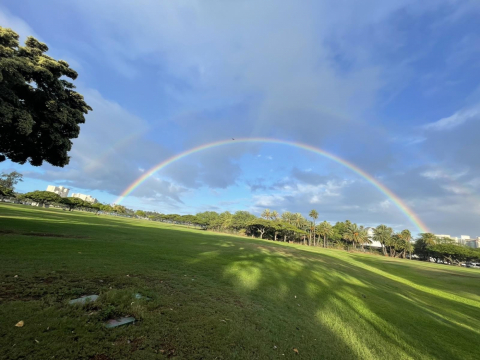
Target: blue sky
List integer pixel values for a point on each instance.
(391, 86)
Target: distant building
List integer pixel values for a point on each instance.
(374, 244)
(86, 198)
(443, 236)
(59, 190)
(475, 243)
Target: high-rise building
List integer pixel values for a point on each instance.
(474, 243)
(59, 190)
(86, 198)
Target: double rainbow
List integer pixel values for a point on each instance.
(394, 198)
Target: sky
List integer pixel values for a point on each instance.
(389, 86)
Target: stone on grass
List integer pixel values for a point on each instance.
(139, 296)
(112, 323)
(83, 300)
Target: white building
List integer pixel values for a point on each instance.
(443, 236)
(86, 198)
(59, 190)
(374, 244)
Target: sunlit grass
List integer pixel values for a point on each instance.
(219, 296)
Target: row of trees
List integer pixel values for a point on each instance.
(291, 227)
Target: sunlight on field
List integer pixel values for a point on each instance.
(219, 295)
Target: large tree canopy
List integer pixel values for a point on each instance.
(39, 110)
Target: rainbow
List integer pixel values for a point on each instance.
(394, 198)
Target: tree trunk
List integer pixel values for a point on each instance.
(261, 233)
(314, 236)
(284, 238)
(275, 237)
(324, 241)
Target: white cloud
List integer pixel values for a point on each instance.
(454, 120)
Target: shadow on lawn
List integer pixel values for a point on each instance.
(351, 300)
(414, 320)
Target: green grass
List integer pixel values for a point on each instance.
(216, 296)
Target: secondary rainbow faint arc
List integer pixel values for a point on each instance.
(395, 199)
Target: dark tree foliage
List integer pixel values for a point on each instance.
(39, 110)
(4, 191)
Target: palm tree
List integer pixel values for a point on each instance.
(325, 229)
(355, 234)
(266, 214)
(407, 238)
(287, 217)
(314, 215)
(274, 215)
(297, 219)
(428, 238)
(363, 236)
(383, 234)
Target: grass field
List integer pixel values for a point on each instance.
(216, 296)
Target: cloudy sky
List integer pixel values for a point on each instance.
(390, 86)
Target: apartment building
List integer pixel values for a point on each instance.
(59, 190)
(86, 198)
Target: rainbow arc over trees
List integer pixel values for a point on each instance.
(399, 203)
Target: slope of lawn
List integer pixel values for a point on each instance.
(215, 296)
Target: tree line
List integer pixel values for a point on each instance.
(285, 227)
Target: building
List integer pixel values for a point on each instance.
(86, 198)
(475, 243)
(59, 190)
(442, 236)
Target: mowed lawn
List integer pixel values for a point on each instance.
(215, 296)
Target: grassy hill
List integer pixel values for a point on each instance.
(216, 296)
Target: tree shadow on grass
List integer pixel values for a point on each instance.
(325, 303)
(392, 318)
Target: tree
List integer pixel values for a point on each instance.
(297, 219)
(287, 216)
(39, 110)
(423, 243)
(96, 207)
(67, 202)
(207, 219)
(325, 230)
(141, 213)
(9, 180)
(241, 219)
(314, 215)
(119, 209)
(274, 215)
(355, 234)
(74, 203)
(407, 238)
(383, 234)
(106, 208)
(260, 225)
(42, 197)
(266, 214)
(5, 192)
